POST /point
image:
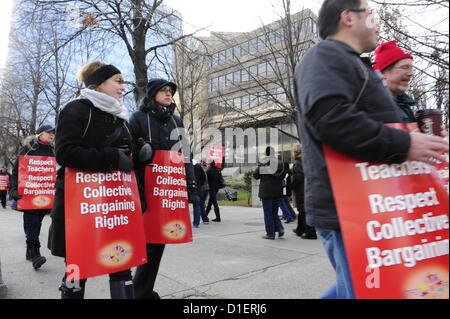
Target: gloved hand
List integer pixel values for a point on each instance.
(125, 164)
(13, 194)
(193, 195)
(146, 151)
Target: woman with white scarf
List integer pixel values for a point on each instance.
(91, 134)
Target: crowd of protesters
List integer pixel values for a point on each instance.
(343, 102)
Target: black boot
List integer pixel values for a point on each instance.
(29, 253)
(71, 293)
(37, 259)
(121, 289)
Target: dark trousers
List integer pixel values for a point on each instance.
(3, 198)
(302, 227)
(32, 226)
(145, 277)
(213, 201)
(123, 275)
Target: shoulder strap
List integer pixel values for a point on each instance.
(366, 79)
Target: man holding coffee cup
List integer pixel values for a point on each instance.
(396, 67)
(342, 103)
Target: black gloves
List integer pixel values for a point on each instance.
(125, 164)
(146, 151)
(193, 193)
(13, 194)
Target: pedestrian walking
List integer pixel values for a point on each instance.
(271, 172)
(215, 182)
(4, 185)
(203, 187)
(153, 127)
(283, 201)
(40, 144)
(342, 103)
(91, 134)
(302, 230)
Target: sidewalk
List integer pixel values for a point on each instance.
(226, 260)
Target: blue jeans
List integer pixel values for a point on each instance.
(334, 247)
(199, 211)
(286, 209)
(271, 220)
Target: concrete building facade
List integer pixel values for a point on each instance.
(247, 88)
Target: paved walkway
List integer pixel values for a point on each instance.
(226, 260)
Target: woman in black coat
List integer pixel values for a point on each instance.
(151, 127)
(92, 134)
(298, 186)
(35, 145)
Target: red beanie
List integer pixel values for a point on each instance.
(388, 53)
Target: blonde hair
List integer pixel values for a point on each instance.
(86, 70)
(296, 150)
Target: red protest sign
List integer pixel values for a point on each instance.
(4, 182)
(36, 182)
(394, 221)
(167, 220)
(103, 216)
(215, 154)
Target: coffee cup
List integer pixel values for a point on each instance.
(429, 121)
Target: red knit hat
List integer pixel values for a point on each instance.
(388, 53)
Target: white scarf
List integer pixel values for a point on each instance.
(106, 103)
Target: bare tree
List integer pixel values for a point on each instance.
(144, 27)
(428, 41)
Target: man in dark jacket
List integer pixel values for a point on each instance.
(396, 66)
(271, 172)
(199, 204)
(342, 103)
(215, 182)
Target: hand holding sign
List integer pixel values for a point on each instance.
(427, 148)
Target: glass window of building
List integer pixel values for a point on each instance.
(245, 101)
(237, 77)
(262, 69)
(237, 51)
(221, 82)
(244, 48)
(237, 102)
(229, 79)
(253, 45)
(244, 75)
(253, 100)
(253, 70)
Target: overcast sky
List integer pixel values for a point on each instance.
(233, 15)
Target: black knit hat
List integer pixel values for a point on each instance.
(45, 128)
(154, 85)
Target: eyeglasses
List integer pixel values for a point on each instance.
(368, 10)
(405, 68)
(167, 89)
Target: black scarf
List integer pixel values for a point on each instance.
(156, 110)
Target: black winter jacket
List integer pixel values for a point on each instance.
(81, 132)
(165, 127)
(328, 81)
(271, 185)
(298, 183)
(32, 148)
(214, 177)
